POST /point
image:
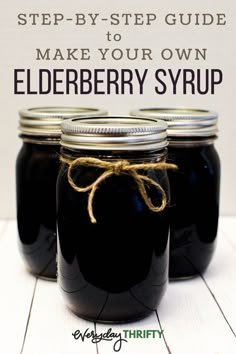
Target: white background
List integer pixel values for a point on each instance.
(18, 44)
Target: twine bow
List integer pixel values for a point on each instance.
(117, 168)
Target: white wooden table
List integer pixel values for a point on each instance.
(198, 316)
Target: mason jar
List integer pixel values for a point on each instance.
(112, 220)
(37, 168)
(195, 187)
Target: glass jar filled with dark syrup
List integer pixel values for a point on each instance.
(195, 187)
(37, 168)
(113, 251)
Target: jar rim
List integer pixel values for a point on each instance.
(114, 132)
(183, 122)
(46, 121)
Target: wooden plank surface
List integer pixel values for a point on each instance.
(192, 322)
(16, 293)
(201, 315)
(197, 316)
(52, 324)
(221, 275)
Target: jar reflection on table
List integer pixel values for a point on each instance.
(114, 270)
(195, 188)
(37, 168)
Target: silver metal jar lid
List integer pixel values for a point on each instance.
(114, 133)
(183, 122)
(46, 121)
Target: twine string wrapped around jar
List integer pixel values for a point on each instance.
(118, 168)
